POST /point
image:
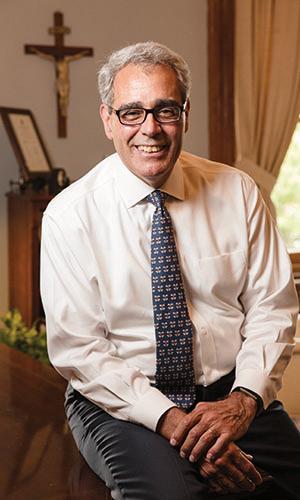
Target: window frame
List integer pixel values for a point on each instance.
(295, 258)
(220, 22)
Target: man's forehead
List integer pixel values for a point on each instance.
(135, 83)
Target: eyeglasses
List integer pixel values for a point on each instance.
(137, 116)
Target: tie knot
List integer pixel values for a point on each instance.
(157, 198)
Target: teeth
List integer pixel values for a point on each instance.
(150, 149)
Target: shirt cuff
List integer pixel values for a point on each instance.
(258, 382)
(149, 408)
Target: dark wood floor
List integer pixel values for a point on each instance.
(38, 458)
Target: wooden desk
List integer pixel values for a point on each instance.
(25, 213)
(38, 457)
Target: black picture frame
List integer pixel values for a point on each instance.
(27, 143)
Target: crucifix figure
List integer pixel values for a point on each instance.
(61, 56)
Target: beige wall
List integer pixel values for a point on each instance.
(28, 81)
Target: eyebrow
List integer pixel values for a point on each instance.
(158, 103)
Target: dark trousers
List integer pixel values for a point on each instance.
(138, 464)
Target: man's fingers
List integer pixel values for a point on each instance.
(183, 428)
(247, 468)
(225, 482)
(223, 486)
(239, 468)
(197, 443)
(241, 479)
(250, 457)
(218, 448)
(233, 465)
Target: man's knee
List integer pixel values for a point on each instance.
(143, 465)
(134, 462)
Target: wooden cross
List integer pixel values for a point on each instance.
(61, 56)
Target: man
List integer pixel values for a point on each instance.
(174, 357)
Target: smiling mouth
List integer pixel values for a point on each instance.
(150, 149)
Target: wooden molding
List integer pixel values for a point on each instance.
(221, 16)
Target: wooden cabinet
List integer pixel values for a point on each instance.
(24, 228)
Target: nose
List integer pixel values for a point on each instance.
(150, 126)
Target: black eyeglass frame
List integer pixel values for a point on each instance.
(151, 111)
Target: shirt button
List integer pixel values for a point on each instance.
(203, 331)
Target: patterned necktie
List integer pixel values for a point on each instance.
(173, 328)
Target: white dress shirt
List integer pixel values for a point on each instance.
(96, 284)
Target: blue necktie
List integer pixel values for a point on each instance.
(173, 328)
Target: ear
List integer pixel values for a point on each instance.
(106, 119)
(187, 111)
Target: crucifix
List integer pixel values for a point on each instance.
(61, 56)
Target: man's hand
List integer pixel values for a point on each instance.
(233, 472)
(207, 431)
(169, 422)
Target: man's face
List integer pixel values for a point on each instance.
(149, 150)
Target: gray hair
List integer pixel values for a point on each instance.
(144, 54)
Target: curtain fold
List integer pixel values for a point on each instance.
(267, 86)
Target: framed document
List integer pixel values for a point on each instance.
(27, 142)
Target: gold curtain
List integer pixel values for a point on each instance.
(267, 86)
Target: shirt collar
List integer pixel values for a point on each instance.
(133, 189)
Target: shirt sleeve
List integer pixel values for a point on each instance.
(270, 304)
(77, 335)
